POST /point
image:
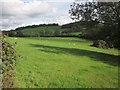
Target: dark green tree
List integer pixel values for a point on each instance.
(20, 33)
(104, 12)
(12, 33)
(107, 13)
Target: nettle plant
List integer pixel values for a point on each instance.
(8, 57)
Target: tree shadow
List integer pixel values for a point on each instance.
(106, 58)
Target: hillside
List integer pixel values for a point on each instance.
(42, 30)
(70, 29)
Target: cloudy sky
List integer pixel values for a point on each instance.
(16, 13)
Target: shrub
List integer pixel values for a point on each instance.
(9, 57)
(100, 44)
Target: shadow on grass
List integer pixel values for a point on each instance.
(106, 58)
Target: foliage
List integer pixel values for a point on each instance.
(39, 31)
(35, 26)
(100, 44)
(105, 13)
(9, 57)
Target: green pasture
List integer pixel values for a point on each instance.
(64, 63)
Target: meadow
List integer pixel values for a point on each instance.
(64, 63)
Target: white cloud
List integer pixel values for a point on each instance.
(25, 12)
(18, 7)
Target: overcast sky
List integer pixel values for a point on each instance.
(16, 13)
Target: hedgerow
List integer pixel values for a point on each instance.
(8, 57)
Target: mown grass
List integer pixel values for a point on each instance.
(64, 63)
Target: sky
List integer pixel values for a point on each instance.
(17, 13)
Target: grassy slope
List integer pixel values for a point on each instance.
(36, 30)
(48, 29)
(64, 62)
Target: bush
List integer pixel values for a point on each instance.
(100, 44)
(9, 57)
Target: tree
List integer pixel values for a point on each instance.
(12, 33)
(19, 33)
(107, 13)
(104, 12)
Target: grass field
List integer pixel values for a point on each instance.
(64, 63)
